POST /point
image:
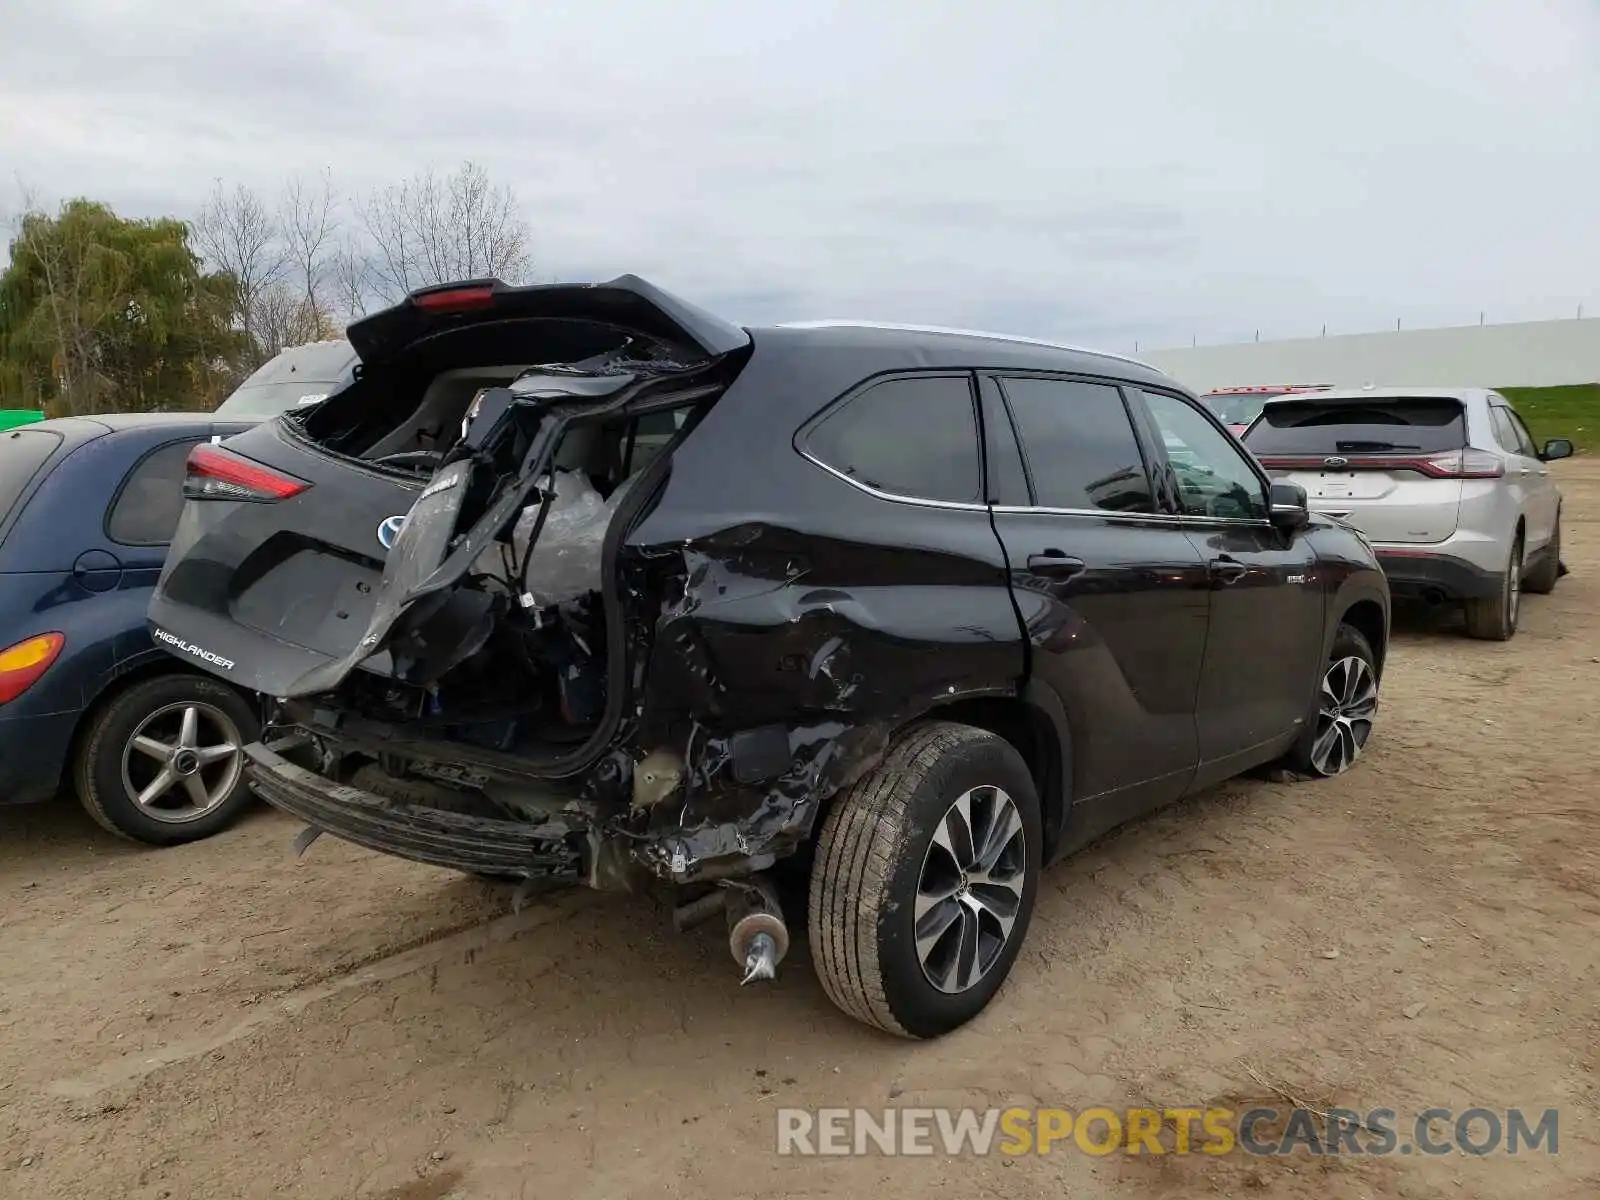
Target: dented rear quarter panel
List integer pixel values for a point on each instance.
(815, 606)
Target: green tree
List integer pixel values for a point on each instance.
(102, 314)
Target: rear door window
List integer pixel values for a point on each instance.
(1079, 445)
(1377, 426)
(147, 506)
(913, 436)
(22, 453)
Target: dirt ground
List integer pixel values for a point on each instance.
(223, 1020)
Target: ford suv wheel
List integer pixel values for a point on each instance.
(924, 882)
(1495, 618)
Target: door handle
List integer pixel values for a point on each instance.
(1227, 569)
(1054, 564)
(1525, 471)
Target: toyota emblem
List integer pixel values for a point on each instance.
(389, 529)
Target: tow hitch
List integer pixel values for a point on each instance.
(758, 937)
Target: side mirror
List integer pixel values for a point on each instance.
(1289, 507)
(1555, 448)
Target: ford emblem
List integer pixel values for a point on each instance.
(389, 529)
(1333, 463)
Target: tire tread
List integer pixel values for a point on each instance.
(860, 842)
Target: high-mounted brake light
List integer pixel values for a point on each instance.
(22, 664)
(1453, 464)
(216, 474)
(1281, 389)
(455, 299)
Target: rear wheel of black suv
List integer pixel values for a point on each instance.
(1347, 704)
(1495, 619)
(925, 879)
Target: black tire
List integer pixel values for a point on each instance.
(103, 768)
(1338, 704)
(874, 846)
(1541, 581)
(1494, 619)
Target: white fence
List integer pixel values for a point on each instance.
(1531, 354)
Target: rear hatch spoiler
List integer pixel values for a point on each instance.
(626, 303)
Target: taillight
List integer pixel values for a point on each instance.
(22, 664)
(1453, 464)
(1462, 464)
(215, 474)
(455, 299)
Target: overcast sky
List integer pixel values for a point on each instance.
(1111, 172)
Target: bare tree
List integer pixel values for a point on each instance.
(309, 222)
(285, 318)
(432, 229)
(237, 233)
(350, 280)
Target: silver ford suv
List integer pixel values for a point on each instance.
(1445, 482)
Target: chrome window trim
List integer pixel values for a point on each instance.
(1012, 509)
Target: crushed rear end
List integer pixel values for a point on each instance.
(429, 572)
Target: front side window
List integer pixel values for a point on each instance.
(1525, 441)
(1214, 477)
(914, 436)
(147, 507)
(1505, 433)
(1079, 445)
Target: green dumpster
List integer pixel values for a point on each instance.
(10, 418)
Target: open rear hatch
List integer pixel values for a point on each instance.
(1392, 466)
(333, 539)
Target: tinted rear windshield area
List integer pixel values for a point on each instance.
(22, 453)
(265, 400)
(1377, 426)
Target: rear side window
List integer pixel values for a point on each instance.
(913, 436)
(22, 453)
(1376, 426)
(146, 509)
(1079, 445)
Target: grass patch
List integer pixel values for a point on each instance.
(1550, 412)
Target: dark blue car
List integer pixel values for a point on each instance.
(150, 745)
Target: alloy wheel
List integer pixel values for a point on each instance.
(182, 761)
(1348, 702)
(970, 889)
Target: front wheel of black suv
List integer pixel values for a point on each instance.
(1347, 704)
(924, 881)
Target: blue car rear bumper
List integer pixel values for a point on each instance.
(33, 756)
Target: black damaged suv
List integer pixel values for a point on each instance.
(584, 583)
